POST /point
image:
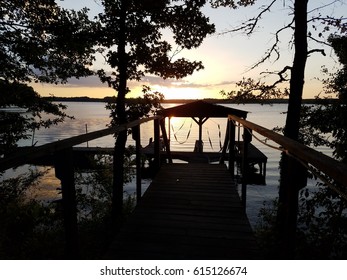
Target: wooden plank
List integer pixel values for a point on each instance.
(190, 211)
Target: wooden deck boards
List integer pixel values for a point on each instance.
(190, 211)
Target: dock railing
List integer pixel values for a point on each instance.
(62, 153)
(330, 167)
(332, 172)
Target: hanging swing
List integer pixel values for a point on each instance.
(175, 133)
(219, 136)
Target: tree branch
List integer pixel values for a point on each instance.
(250, 24)
(322, 7)
(316, 50)
(274, 48)
(338, 23)
(259, 16)
(282, 76)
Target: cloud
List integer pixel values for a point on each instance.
(182, 83)
(91, 81)
(188, 84)
(94, 82)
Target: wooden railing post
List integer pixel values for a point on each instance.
(247, 136)
(166, 140)
(225, 144)
(231, 132)
(136, 133)
(156, 144)
(64, 171)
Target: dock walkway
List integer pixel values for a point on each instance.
(190, 211)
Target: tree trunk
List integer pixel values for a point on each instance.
(298, 70)
(119, 151)
(292, 174)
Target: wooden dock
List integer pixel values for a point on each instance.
(190, 211)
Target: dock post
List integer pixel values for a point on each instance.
(136, 134)
(231, 132)
(156, 145)
(247, 136)
(64, 171)
(166, 140)
(225, 145)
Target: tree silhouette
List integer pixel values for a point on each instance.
(39, 42)
(132, 36)
(322, 220)
(293, 175)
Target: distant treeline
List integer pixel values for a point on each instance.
(112, 99)
(80, 99)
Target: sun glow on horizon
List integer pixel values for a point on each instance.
(183, 92)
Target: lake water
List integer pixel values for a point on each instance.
(93, 116)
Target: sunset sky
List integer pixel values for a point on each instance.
(226, 58)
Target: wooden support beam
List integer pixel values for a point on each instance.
(165, 139)
(200, 122)
(64, 171)
(225, 145)
(169, 126)
(247, 136)
(156, 144)
(232, 142)
(136, 134)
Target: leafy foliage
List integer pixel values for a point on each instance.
(251, 90)
(322, 224)
(231, 3)
(39, 42)
(27, 226)
(330, 118)
(23, 112)
(324, 211)
(139, 107)
(94, 187)
(33, 229)
(141, 37)
(59, 41)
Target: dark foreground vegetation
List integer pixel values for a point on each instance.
(34, 229)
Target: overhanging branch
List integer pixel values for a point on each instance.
(282, 76)
(274, 48)
(250, 24)
(317, 50)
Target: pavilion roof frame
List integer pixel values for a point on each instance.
(202, 109)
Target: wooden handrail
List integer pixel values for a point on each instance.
(21, 157)
(329, 166)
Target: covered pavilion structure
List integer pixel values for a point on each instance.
(200, 111)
